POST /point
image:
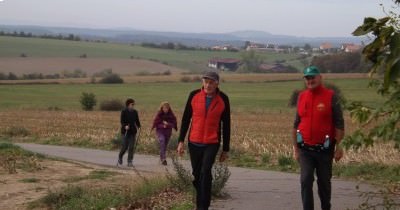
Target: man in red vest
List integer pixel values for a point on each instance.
(207, 112)
(318, 130)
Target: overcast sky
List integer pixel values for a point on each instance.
(310, 18)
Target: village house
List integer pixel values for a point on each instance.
(225, 64)
(326, 47)
(350, 47)
(224, 48)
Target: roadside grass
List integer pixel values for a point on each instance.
(377, 173)
(13, 158)
(153, 194)
(95, 174)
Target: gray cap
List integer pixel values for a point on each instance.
(211, 75)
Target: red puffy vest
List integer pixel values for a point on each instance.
(315, 111)
(205, 127)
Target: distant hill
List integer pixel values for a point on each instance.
(191, 39)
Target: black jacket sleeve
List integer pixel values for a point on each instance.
(137, 119)
(226, 124)
(186, 118)
(337, 113)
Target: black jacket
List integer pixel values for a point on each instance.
(131, 118)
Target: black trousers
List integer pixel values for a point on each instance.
(321, 163)
(202, 159)
(128, 142)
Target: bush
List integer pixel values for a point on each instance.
(88, 101)
(183, 178)
(111, 79)
(185, 79)
(111, 105)
(17, 131)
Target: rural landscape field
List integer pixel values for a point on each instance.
(48, 111)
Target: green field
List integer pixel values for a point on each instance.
(243, 96)
(185, 59)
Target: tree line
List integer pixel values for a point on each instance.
(341, 63)
(69, 37)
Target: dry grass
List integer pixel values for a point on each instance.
(255, 133)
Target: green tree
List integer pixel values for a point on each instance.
(88, 101)
(250, 61)
(384, 53)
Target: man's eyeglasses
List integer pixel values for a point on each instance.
(309, 77)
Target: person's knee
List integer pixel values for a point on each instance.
(307, 179)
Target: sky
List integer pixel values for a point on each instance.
(309, 18)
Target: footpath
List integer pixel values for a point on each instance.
(247, 188)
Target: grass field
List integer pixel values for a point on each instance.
(189, 60)
(243, 96)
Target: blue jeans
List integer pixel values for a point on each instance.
(128, 143)
(321, 162)
(202, 159)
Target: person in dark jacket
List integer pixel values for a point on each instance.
(130, 123)
(207, 112)
(164, 122)
(318, 130)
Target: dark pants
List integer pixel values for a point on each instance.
(321, 162)
(128, 143)
(202, 159)
(163, 139)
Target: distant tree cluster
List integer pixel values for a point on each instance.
(33, 76)
(168, 45)
(108, 77)
(70, 37)
(341, 63)
(172, 46)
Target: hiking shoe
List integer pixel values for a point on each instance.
(119, 162)
(130, 164)
(164, 162)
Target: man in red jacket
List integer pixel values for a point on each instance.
(318, 130)
(207, 112)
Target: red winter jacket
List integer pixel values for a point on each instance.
(314, 108)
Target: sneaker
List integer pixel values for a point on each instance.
(130, 164)
(119, 162)
(164, 162)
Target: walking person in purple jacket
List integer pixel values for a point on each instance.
(164, 122)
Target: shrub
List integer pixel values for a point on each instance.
(112, 79)
(183, 178)
(88, 101)
(17, 131)
(185, 79)
(111, 105)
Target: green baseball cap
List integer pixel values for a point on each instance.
(311, 71)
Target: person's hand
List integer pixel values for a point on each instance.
(296, 155)
(180, 150)
(223, 157)
(126, 127)
(338, 153)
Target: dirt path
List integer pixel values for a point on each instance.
(248, 188)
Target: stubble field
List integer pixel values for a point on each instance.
(261, 119)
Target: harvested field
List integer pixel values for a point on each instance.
(20, 66)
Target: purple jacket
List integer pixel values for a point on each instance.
(158, 124)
